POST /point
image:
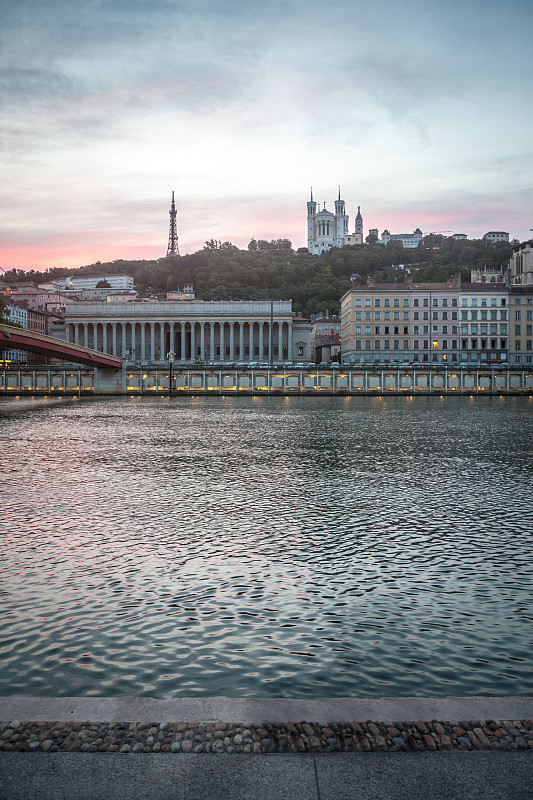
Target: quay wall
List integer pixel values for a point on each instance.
(261, 381)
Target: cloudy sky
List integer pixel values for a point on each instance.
(421, 111)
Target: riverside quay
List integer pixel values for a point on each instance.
(265, 380)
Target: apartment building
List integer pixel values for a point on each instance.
(521, 325)
(437, 323)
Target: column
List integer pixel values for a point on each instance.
(202, 341)
(152, 341)
(143, 341)
(289, 343)
(211, 341)
(232, 341)
(171, 338)
(251, 357)
(104, 337)
(76, 333)
(114, 337)
(221, 330)
(241, 341)
(280, 341)
(162, 353)
(132, 348)
(261, 346)
(95, 336)
(124, 344)
(183, 354)
(85, 334)
(193, 341)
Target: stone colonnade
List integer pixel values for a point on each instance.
(150, 342)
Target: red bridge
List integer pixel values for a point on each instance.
(18, 339)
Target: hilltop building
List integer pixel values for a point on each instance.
(496, 236)
(521, 264)
(326, 229)
(406, 239)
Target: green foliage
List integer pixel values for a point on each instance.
(220, 271)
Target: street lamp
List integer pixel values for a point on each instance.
(171, 355)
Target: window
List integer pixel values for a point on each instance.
(503, 328)
(377, 315)
(474, 328)
(406, 302)
(416, 315)
(484, 301)
(387, 315)
(396, 344)
(483, 329)
(426, 329)
(503, 301)
(473, 315)
(396, 315)
(386, 344)
(358, 315)
(517, 301)
(387, 303)
(454, 314)
(406, 344)
(416, 302)
(434, 329)
(445, 302)
(474, 302)
(358, 302)
(435, 301)
(405, 330)
(503, 344)
(454, 301)
(493, 344)
(367, 330)
(396, 302)
(358, 330)
(426, 344)
(517, 345)
(529, 330)
(517, 315)
(464, 344)
(474, 344)
(483, 315)
(367, 344)
(454, 328)
(464, 302)
(503, 314)
(444, 315)
(464, 329)
(464, 314)
(368, 316)
(387, 330)
(426, 314)
(358, 344)
(529, 315)
(415, 344)
(445, 329)
(517, 330)
(435, 315)
(425, 301)
(415, 329)
(405, 315)
(396, 330)
(377, 330)
(444, 344)
(367, 301)
(454, 344)
(377, 344)
(493, 301)
(377, 302)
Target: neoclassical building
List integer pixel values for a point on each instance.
(326, 229)
(235, 331)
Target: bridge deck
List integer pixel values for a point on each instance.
(19, 339)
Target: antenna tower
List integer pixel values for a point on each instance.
(173, 249)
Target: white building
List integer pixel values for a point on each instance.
(117, 282)
(496, 236)
(240, 331)
(15, 315)
(406, 239)
(325, 229)
(521, 264)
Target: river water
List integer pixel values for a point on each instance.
(266, 546)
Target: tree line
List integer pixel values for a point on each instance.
(221, 271)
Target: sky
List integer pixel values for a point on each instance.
(420, 111)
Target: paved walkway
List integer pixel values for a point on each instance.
(395, 773)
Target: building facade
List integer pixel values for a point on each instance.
(521, 325)
(326, 229)
(437, 323)
(406, 239)
(521, 264)
(325, 337)
(496, 236)
(196, 331)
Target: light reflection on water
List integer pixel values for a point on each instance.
(266, 546)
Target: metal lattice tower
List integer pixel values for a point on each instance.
(173, 249)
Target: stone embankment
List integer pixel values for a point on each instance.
(302, 737)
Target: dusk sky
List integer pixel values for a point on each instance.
(421, 111)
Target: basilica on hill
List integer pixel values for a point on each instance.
(326, 229)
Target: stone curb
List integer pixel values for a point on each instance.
(279, 737)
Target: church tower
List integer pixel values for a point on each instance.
(341, 221)
(359, 226)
